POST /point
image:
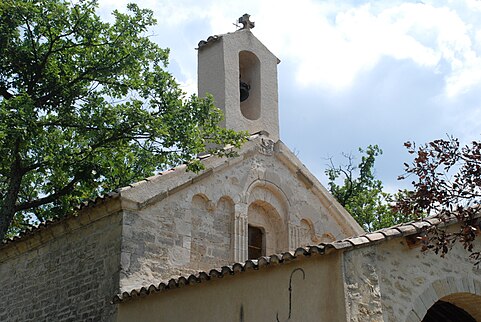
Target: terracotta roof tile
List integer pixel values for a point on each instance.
(315, 250)
(203, 276)
(407, 229)
(263, 261)
(375, 237)
(191, 279)
(172, 283)
(182, 281)
(237, 267)
(301, 251)
(152, 289)
(251, 264)
(390, 232)
(209, 41)
(273, 259)
(420, 225)
(356, 241)
(342, 244)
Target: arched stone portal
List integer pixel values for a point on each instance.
(448, 300)
(264, 216)
(443, 311)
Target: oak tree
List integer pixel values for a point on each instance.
(358, 190)
(87, 106)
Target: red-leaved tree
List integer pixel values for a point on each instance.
(447, 185)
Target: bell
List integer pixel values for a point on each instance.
(244, 91)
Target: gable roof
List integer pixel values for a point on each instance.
(156, 188)
(379, 236)
(153, 189)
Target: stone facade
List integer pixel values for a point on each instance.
(378, 277)
(204, 223)
(408, 282)
(66, 272)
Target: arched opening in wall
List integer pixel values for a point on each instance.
(262, 215)
(307, 233)
(249, 85)
(447, 312)
(199, 215)
(458, 307)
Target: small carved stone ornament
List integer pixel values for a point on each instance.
(246, 23)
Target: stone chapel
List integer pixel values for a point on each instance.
(251, 238)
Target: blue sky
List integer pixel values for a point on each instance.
(352, 73)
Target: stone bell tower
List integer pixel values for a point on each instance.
(241, 74)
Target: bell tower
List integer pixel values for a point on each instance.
(241, 74)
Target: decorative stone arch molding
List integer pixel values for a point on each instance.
(265, 197)
(464, 292)
(209, 204)
(265, 216)
(308, 233)
(270, 193)
(208, 234)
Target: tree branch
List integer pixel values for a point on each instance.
(48, 199)
(5, 93)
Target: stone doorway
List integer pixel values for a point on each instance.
(443, 311)
(456, 307)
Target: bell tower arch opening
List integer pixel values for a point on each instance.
(249, 81)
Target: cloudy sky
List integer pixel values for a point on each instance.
(352, 73)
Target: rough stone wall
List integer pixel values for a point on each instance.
(394, 282)
(211, 232)
(409, 278)
(361, 281)
(71, 277)
(196, 227)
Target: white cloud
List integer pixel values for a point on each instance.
(331, 43)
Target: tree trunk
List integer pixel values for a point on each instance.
(8, 209)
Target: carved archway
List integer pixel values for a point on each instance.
(451, 295)
(266, 217)
(265, 208)
(271, 193)
(443, 311)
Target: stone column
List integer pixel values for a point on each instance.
(294, 236)
(240, 232)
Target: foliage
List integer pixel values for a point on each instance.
(87, 106)
(447, 185)
(361, 193)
